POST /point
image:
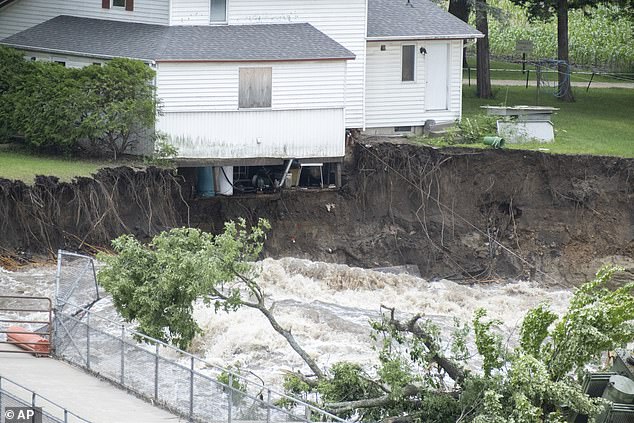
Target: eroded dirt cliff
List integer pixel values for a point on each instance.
(461, 214)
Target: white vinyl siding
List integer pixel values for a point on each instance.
(202, 118)
(71, 61)
(197, 87)
(343, 21)
(23, 14)
(244, 134)
(189, 12)
(390, 102)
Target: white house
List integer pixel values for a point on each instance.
(246, 82)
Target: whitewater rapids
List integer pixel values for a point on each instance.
(327, 307)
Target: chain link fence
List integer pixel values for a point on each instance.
(176, 380)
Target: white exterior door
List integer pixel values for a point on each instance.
(437, 76)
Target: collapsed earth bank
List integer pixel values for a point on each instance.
(471, 215)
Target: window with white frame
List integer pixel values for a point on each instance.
(218, 11)
(408, 69)
(118, 3)
(255, 88)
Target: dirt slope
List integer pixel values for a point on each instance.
(461, 214)
(456, 213)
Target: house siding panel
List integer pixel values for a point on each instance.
(343, 21)
(391, 102)
(202, 118)
(23, 14)
(245, 134)
(190, 12)
(203, 87)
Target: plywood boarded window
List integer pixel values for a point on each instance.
(255, 87)
(409, 63)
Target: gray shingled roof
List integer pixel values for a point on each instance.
(103, 38)
(416, 19)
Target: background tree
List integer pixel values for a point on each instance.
(122, 104)
(483, 89)
(546, 10)
(56, 108)
(462, 10)
(48, 106)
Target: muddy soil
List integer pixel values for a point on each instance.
(468, 215)
(458, 214)
(87, 213)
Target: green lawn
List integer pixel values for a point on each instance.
(600, 122)
(23, 166)
(512, 71)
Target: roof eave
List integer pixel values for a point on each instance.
(426, 37)
(72, 53)
(304, 59)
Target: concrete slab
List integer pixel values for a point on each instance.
(77, 391)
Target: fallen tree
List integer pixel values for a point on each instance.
(423, 374)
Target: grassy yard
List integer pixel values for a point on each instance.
(600, 122)
(23, 166)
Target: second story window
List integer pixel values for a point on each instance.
(127, 4)
(218, 11)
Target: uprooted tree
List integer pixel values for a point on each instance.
(423, 375)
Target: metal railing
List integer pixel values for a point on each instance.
(179, 381)
(13, 394)
(33, 315)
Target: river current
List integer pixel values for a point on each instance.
(327, 307)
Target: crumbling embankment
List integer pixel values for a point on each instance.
(88, 212)
(455, 213)
(461, 214)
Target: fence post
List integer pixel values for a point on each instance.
(156, 374)
(65, 415)
(122, 353)
(528, 73)
(268, 405)
(88, 339)
(230, 397)
(591, 78)
(191, 389)
(33, 394)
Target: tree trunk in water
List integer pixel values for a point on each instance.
(461, 9)
(565, 89)
(483, 89)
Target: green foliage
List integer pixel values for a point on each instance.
(600, 36)
(48, 104)
(156, 285)
(536, 387)
(55, 108)
(488, 343)
(598, 319)
(535, 329)
(121, 104)
(232, 379)
(529, 383)
(470, 130)
(12, 68)
(164, 152)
